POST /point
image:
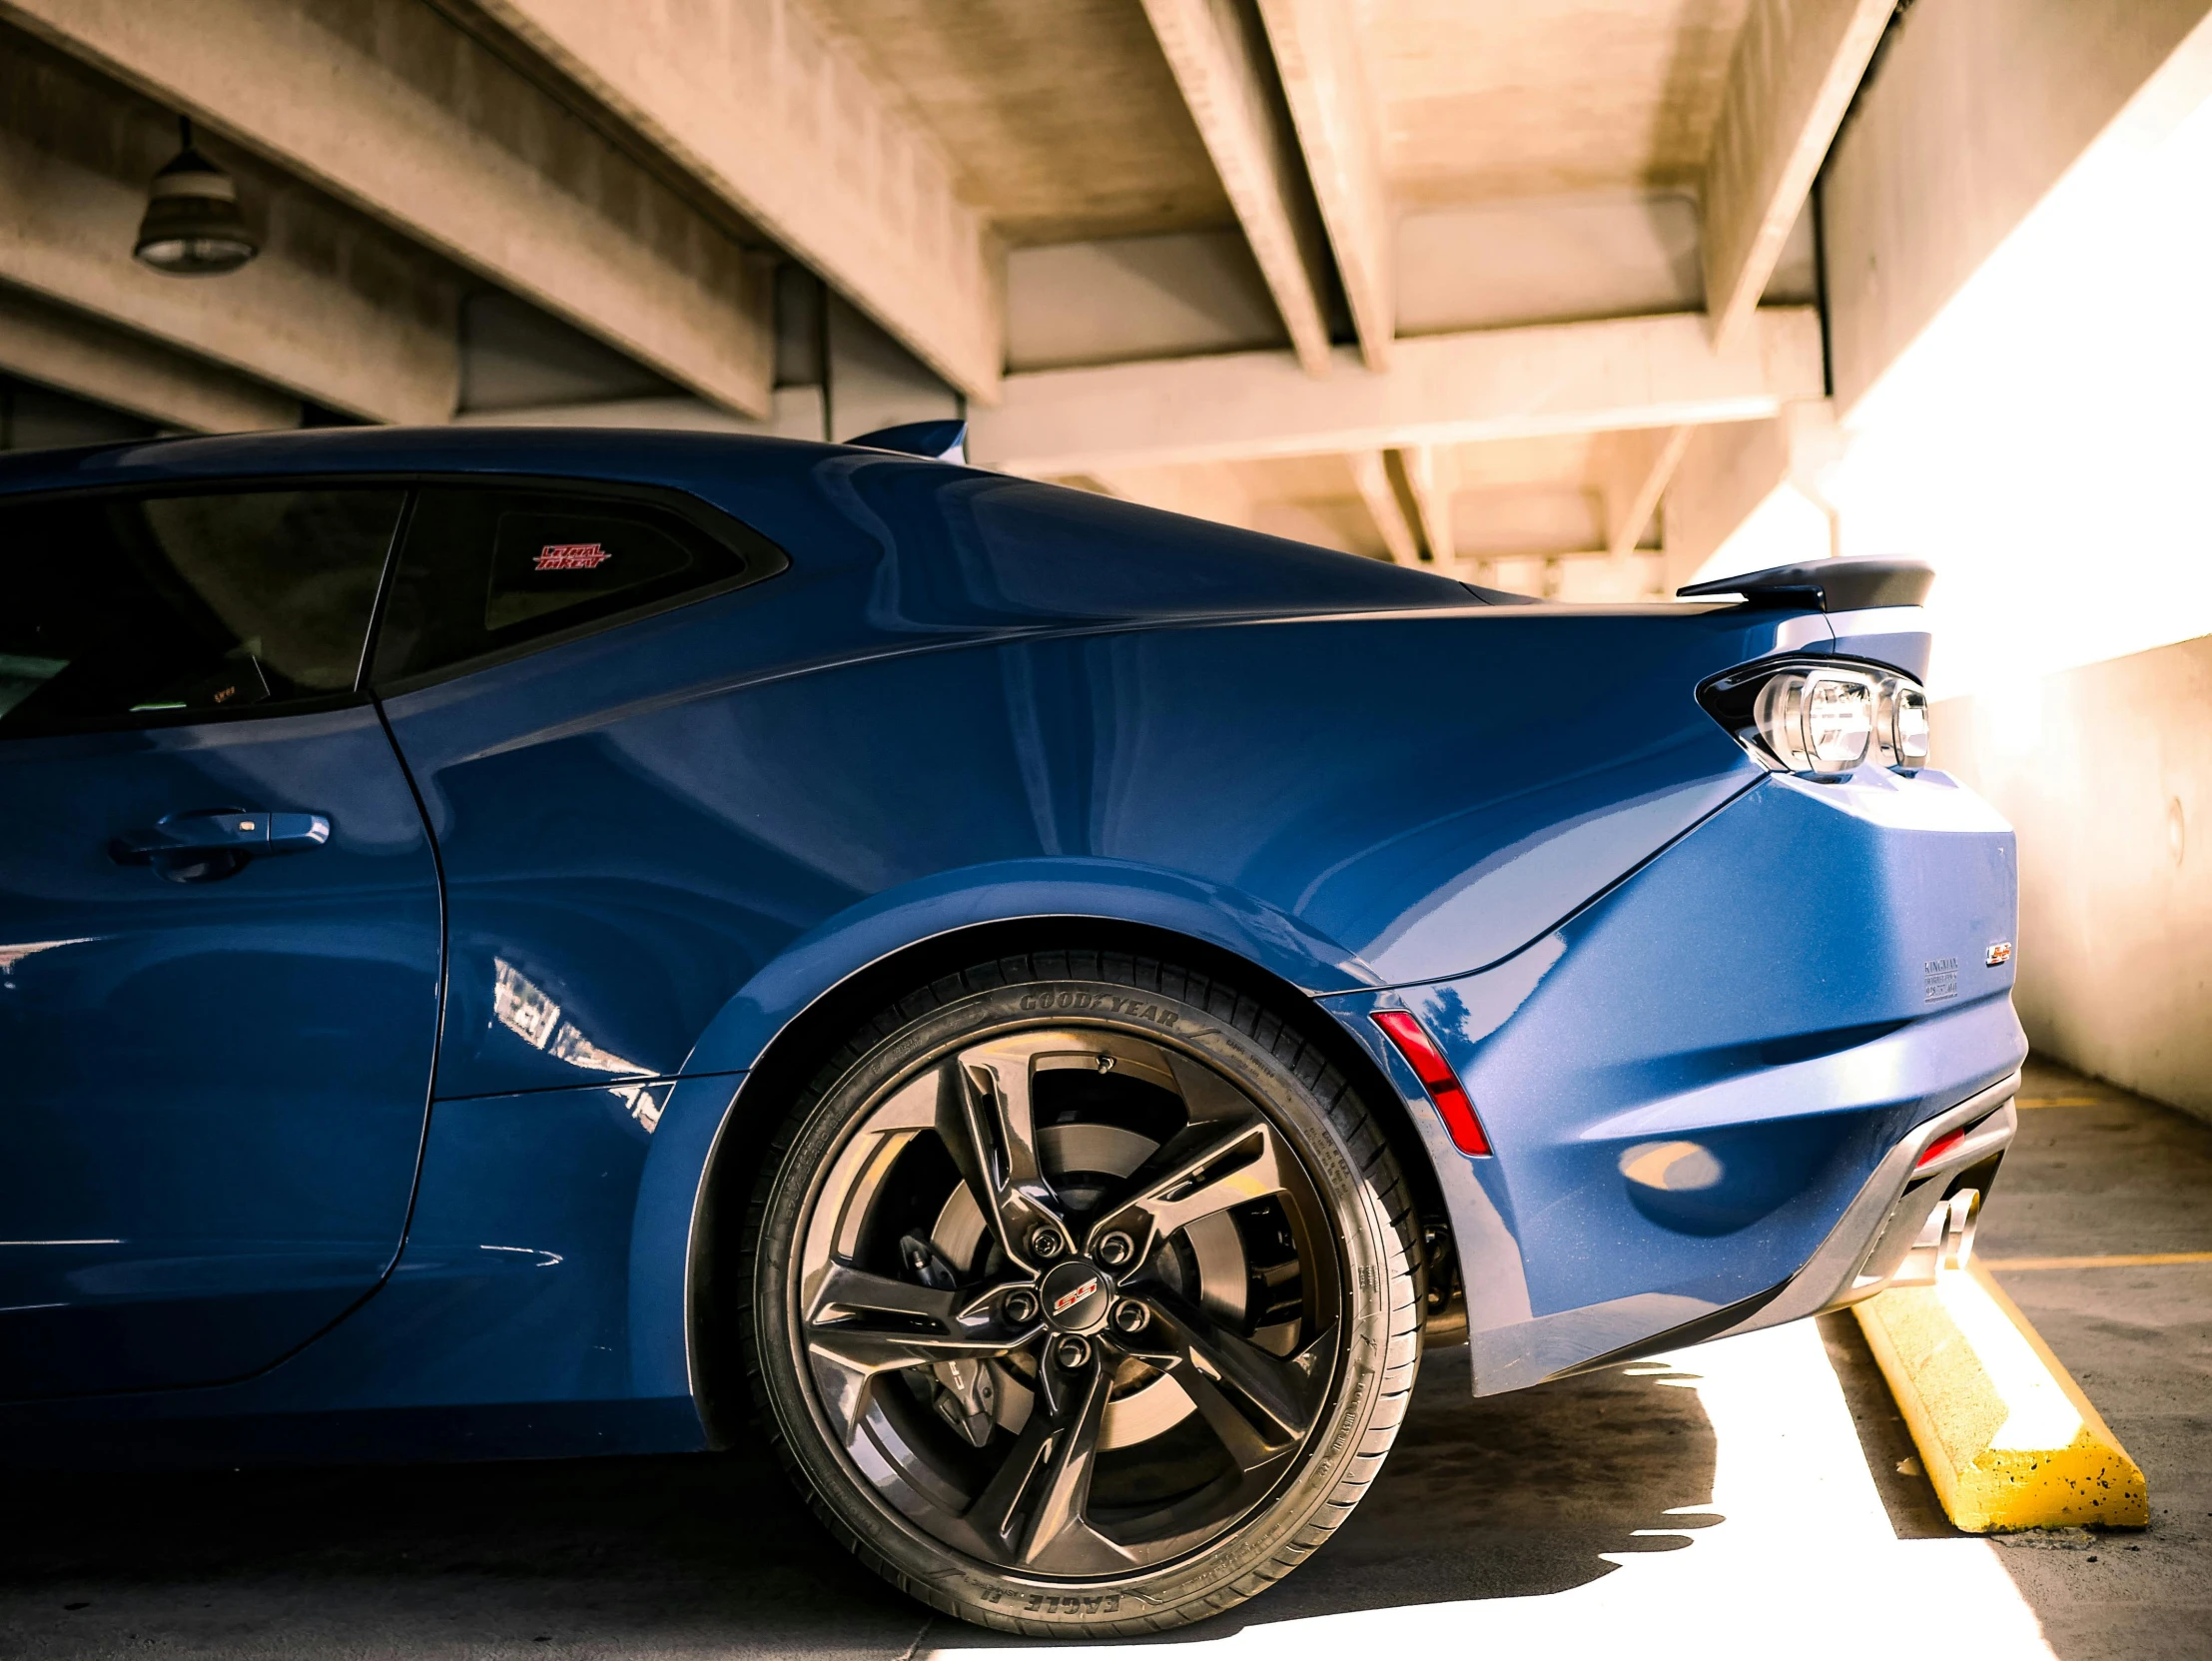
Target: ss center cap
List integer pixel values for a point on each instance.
(1076, 1296)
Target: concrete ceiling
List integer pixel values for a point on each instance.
(1458, 282)
(1063, 123)
(1059, 119)
(1538, 161)
(1488, 102)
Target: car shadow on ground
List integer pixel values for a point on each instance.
(1513, 1496)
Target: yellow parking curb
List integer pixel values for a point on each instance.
(2004, 1432)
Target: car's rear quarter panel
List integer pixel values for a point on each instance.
(1688, 1084)
(1367, 778)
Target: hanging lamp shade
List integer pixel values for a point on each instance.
(192, 226)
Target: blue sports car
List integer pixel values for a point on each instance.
(522, 943)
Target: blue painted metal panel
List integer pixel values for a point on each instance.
(950, 676)
(638, 865)
(537, 1307)
(215, 1090)
(1686, 1085)
(975, 700)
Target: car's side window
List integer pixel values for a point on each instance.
(487, 572)
(139, 611)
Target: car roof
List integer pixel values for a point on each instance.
(646, 456)
(1181, 566)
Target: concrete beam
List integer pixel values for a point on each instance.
(797, 414)
(1434, 476)
(1129, 298)
(1796, 64)
(1372, 473)
(1332, 105)
(1445, 388)
(336, 309)
(389, 107)
(1943, 157)
(1635, 468)
(1224, 75)
(1514, 263)
(757, 100)
(81, 355)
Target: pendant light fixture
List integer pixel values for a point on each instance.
(192, 226)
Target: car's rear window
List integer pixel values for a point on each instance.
(488, 571)
(545, 563)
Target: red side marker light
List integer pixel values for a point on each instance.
(1939, 1148)
(1412, 1041)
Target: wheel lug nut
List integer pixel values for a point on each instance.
(1131, 1316)
(1114, 1250)
(1072, 1352)
(1046, 1242)
(1019, 1307)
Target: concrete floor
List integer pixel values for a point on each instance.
(1740, 1498)
(2099, 1172)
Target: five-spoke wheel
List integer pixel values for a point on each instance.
(1053, 1304)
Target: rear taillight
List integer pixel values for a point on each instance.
(1816, 721)
(1820, 718)
(1411, 1040)
(1903, 732)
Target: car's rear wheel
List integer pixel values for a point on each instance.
(1081, 1294)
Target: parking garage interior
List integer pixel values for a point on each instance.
(1584, 300)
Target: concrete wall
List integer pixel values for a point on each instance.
(1970, 116)
(2106, 772)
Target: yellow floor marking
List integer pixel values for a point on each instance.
(2139, 1259)
(2057, 1102)
(2008, 1438)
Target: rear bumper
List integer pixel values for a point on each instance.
(1914, 1215)
(1707, 1091)
(1916, 1211)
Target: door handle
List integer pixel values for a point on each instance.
(205, 843)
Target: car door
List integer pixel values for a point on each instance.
(220, 934)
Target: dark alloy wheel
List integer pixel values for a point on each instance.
(1081, 1294)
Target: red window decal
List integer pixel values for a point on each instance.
(570, 556)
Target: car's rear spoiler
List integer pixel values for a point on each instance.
(1841, 585)
(938, 440)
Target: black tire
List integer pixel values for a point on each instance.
(1026, 1466)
